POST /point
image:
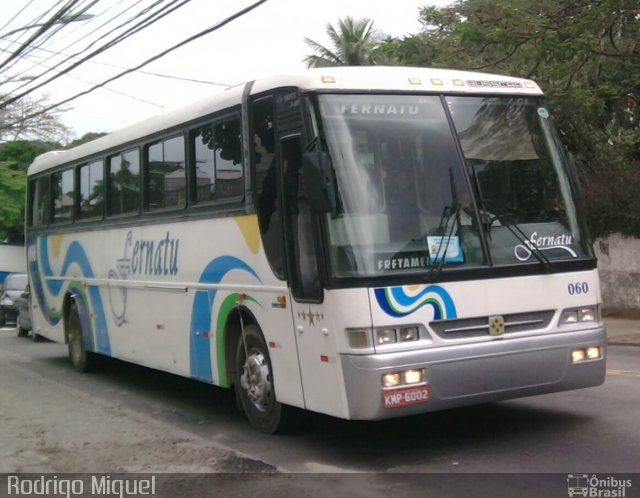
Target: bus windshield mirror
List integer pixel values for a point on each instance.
(320, 183)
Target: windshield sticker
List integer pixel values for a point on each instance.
(403, 301)
(523, 252)
(402, 261)
(543, 113)
(445, 249)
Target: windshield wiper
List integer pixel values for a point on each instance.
(517, 232)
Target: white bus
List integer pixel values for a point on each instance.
(362, 242)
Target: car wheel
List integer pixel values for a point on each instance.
(253, 383)
(81, 359)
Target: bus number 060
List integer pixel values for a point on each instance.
(578, 288)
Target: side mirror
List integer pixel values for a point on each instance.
(319, 181)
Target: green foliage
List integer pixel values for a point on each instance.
(13, 183)
(352, 44)
(87, 137)
(585, 54)
(21, 153)
(15, 157)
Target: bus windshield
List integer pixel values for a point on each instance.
(405, 203)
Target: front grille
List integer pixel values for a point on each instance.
(463, 328)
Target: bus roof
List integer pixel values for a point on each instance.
(355, 78)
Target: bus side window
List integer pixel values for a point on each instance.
(228, 154)
(91, 190)
(166, 174)
(40, 202)
(264, 165)
(123, 175)
(62, 192)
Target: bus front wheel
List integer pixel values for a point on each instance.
(81, 359)
(254, 382)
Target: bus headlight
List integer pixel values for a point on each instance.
(413, 376)
(391, 379)
(409, 334)
(579, 355)
(404, 378)
(386, 336)
(594, 353)
(579, 315)
(401, 334)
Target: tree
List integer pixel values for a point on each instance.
(585, 54)
(28, 118)
(15, 157)
(354, 44)
(87, 137)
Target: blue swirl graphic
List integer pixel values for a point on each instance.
(98, 338)
(201, 325)
(391, 299)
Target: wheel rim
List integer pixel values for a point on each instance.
(256, 381)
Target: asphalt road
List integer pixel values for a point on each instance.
(126, 418)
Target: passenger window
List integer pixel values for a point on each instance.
(40, 202)
(166, 178)
(124, 183)
(218, 161)
(228, 152)
(62, 193)
(265, 168)
(91, 193)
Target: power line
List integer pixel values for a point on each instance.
(110, 89)
(211, 29)
(152, 17)
(41, 30)
(138, 27)
(150, 73)
(68, 57)
(59, 26)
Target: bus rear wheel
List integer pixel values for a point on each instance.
(253, 383)
(81, 359)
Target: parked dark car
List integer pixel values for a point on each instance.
(23, 305)
(14, 285)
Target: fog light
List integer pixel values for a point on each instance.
(593, 353)
(358, 338)
(391, 379)
(412, 376)
(386, 336)
(409, 334)
(577, 355)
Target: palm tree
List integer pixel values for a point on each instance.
(353, 44)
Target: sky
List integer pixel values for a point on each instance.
(267, 40)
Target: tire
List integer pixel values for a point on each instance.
(81, 359)
(21, 332)
(253, 383)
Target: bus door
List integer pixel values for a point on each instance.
(311, 317)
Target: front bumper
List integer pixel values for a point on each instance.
(467, 374)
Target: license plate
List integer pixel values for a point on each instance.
(406, 396)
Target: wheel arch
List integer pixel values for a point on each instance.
(238, 317)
